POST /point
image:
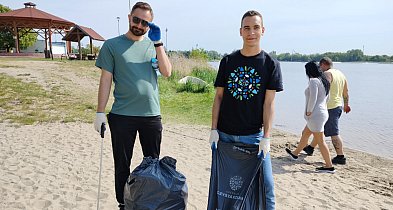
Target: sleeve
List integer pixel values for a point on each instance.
(220, 79)
(275, 82)
(313, 93)
(105, 59)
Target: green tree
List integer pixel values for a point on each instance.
(200, 54)
(6, 40)
(213, 55)
(96, 49)
(355, 55)
(4, 9)
(26, 37)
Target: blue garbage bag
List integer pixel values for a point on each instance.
(236, 180)
(155, 184)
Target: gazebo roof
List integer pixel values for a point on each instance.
(82, 31)
(30, 17)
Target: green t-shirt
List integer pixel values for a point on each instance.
(136, 88)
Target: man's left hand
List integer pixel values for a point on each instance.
(154, 32)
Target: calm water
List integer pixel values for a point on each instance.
(368, 127)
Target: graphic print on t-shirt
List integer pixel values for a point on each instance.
(243, 83)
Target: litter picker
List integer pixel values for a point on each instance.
(99, 176)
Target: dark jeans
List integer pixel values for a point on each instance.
(123, 132)
(331, 126)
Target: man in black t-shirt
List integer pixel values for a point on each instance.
(243, 107)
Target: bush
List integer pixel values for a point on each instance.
(207, 74)
(192, 88)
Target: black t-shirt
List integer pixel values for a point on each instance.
(245, 81)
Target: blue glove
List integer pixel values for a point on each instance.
(154, 32)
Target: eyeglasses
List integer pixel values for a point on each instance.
(137, 20)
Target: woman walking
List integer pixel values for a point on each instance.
(316, 115)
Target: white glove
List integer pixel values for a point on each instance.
(264, 147)
(213, 140)
(100, 118)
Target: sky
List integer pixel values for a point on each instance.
(303, 26)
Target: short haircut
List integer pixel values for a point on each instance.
(144, 6)
(326, 61)
(251, 13)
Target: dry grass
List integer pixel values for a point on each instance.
(184, 66)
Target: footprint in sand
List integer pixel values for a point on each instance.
(13, 168)
(42, 204)
(28, 182)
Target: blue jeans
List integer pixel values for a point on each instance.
(266, 163)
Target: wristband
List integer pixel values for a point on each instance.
(158, 44)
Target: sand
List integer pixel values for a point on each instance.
(56, 165)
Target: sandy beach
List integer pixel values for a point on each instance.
(56, 165)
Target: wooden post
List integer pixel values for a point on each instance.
(46, 41)
(16, 37)
(50, 42)
(91, 45)
(69, 49)
(79, 45)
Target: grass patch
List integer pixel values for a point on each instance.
(28, 103)
(187, 108)
(188, 103)
(207, 74)
(192, 88)
(7, 66)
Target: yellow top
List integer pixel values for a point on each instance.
(336, 89)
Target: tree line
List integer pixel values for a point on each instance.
(354, 55)
(198, 53)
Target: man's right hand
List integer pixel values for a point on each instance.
(213, 140)
(100, 119)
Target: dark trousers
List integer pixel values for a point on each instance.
(123, 132)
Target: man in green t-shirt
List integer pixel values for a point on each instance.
(129, 60)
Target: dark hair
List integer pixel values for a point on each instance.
(251, 13)
(313, 71)
(144, 6)
(326, 61)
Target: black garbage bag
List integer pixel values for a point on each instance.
(155, 184)
(236, 180)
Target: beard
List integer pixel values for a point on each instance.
(137, 31)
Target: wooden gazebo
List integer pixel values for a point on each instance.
(35, 21)
(77, 33)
